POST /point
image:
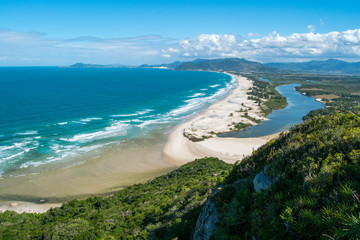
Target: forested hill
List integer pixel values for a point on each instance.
(228, 64)
(303, 185)
(330, 66)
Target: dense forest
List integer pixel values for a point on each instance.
(315, 182)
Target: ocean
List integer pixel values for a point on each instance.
(52, 117)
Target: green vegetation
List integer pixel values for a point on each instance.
(265, 94)
(316, 195)
(333, 66)
(164, 208)
(225, 65)
(197, 139)
(241, 125)
(339, 93)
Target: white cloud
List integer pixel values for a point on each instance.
(273, 47)
(251, 34)
(311, 28)
(31, 48)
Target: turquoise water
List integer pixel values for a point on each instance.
(283, 119)
(59, 115)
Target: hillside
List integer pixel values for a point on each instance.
(164, 208)
(88, 65)
(308, 190)
(227, 64)
(330, 66)
(164, 65)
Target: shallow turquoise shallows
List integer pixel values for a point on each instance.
(50, 115)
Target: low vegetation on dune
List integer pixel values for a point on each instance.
(266, 96)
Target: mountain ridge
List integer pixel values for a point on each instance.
(330, 66)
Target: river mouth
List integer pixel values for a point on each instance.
(283, 119)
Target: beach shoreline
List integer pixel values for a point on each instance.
(220, 117)
(112, 172)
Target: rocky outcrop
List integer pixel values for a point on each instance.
(207, 220)
(263, 181)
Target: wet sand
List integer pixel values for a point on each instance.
(100, 176)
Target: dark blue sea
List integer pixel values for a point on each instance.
(62, 115)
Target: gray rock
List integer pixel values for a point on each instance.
(207, 220)
(263, 181)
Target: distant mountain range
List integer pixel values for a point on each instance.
(88, 65)
(330, 66)
(226, 64)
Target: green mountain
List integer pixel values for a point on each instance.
(227, 64)
(303, 185)
(169, 65)
(330, 66)
(88, 65)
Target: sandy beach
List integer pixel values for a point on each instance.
(114, 171)
(218, 118)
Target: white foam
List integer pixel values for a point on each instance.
(116, 129)
(14, 155)
(79, 122)
(214, 86)
(154, 121)
(75, 151)
(196, 103)
(90, 119)
(192, 104)
(197, 95)
(62, 123)
(137, 113)
(21, 144)
(29, 132)
(3, 148)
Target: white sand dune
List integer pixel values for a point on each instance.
(218, 118)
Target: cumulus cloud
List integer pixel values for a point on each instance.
(311, 28)
(33, 48)
(272, 47)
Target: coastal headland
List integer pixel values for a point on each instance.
(114, 171)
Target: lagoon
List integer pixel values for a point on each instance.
(281, 120)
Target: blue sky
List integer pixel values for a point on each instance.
(134, 32)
